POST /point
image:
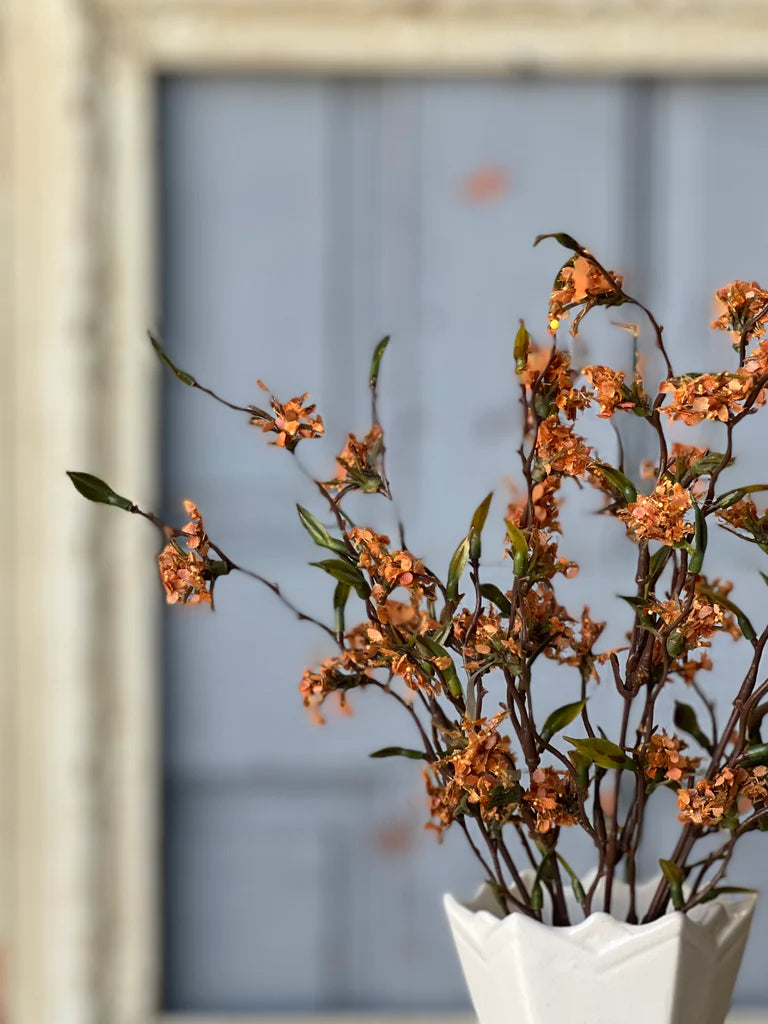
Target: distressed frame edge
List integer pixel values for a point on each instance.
(124, 132)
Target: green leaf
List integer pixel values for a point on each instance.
(675, 877)
(522, 346)
(519, 545)
(578, 891)
(345, 573)
(560, 718)
(601, 752)
(476, 527)
(340, 596)
(378, 352)
(620, 483)
(700, 540)
(456, 570)
(448, 674)
(745, 625)
(566, 240)
(765, 578)
(318, 532)
(492, 593)
(638, 606)
(725, 890)
(537, 896)
(182, 375)
(731, 497)
(94, 489)
(755, 755)
(517, 537)
(582, 765)
(707, 464)
(657, 560)
(414, 755)
(675, 643)
(686, 720)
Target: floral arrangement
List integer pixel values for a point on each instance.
(460, 655)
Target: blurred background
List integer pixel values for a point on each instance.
(179, 837)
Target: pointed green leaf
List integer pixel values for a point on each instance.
(414, 755)
(755, 755)
(745, 625)
(94, 489)
(340, 596)
(620, 483)
(447, 674)
(476, 527)
(560, 718)
(537, 896)
(492, 593)
(182, 375)
(658, 560)
(378, 352)
(345, 573)
(517, 537)
(519, 546)
(601, 752)
(707, 464)
(639, 606)
(700, 540)
(318, 532)
(675, 877)
(578, 890)
(722, 890)
(522, 346)
(731, 497)
(567, 241)
(686, 720)
(456, 570)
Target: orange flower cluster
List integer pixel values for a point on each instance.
(559, 450)
(744, 519)
(404, 616)
(389, 570)
(545, 506)
(550, 795)
(682, 457)
(555, 379)
(186, 576)
(359, 462)
(741, 303)
(695, 619)
(582, 645)
(580, 283)
(371, 646)
(548, 627)
(659, 515)
(488, 643)
(756, 362)
(479, 769)
(708, 396)
(662, 756)
(291, 422)
(710, 801)
(329, 678)
(610, 390)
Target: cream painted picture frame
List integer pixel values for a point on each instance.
(79, 805)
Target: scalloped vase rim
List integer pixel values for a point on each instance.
(734, 904)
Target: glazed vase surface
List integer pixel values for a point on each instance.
(680, 969)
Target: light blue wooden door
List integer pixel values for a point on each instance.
(302, 220)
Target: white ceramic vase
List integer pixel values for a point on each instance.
(680, 969)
